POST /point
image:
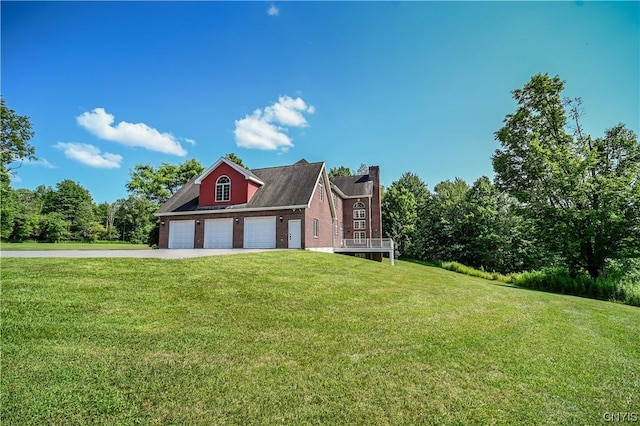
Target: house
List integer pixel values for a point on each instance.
(295, 206)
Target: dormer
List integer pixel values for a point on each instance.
(225, 183)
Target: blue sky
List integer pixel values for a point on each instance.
(409, 86)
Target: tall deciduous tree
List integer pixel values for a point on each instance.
(399, 216)
(135, 220)
(340, 171)
(233, 157)
(583, 193)
(74, 203)
(16, 132)
(159, 184)
(363, 169)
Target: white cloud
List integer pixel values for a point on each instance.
(89, 155)
(265, 128)
(273, 10)
(190, 141)
(43, 162)
(100, 123)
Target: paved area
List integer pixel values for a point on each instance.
(154, 254)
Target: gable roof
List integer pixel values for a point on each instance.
(354, 186)
(245, 172)
(282, 187)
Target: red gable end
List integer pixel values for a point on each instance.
(241, 189)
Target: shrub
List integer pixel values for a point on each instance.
(558, 280)
(620, 285)
(463, 269)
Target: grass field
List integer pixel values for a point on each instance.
(99, 245)
(303, 338)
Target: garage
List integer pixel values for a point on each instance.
(181, 234)
(260, 232)
(218, 233)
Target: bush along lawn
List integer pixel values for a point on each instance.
(616, 288)
(303, 338)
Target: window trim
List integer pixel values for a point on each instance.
(360, 214)
(360, 224)
(358, 205)
(359, 237)
(316, 228)
(221, 186)
(322, 192)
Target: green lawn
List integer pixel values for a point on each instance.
(99, 245)
(303, 338)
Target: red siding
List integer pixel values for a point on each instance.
(251, 189)
(239, 187)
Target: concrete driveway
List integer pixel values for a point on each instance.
(154, 254)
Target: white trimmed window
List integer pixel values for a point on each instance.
(359, 224)
(359, 214)
(359, 236)
(316, 228)
(358, 205)
(321, 192)
(223, 189)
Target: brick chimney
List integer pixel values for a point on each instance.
(376, 206)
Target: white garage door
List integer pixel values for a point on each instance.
(218, 233)
(260, 232)
(181, 234)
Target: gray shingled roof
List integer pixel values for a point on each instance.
(354, 186)
(283, 186)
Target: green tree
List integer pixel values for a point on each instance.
(415, 185)
(233, 157)
(16, 133)
(9, 207)
(159, 184)
(14, 146)
(54, 228)
(582, 193)
(441, 221)
(105, 213)
(75, 204)
(399, 216)
(340, 171)
(135, 220)
(363, 169)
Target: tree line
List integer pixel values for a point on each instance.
(560, 197)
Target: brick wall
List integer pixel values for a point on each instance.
(321, 210)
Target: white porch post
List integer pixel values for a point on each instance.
(392, 254)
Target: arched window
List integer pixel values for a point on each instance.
(358, 205)
(358, 211)
(223, 189)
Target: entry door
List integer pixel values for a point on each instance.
(295, 234)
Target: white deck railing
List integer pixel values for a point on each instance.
(366, 243)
